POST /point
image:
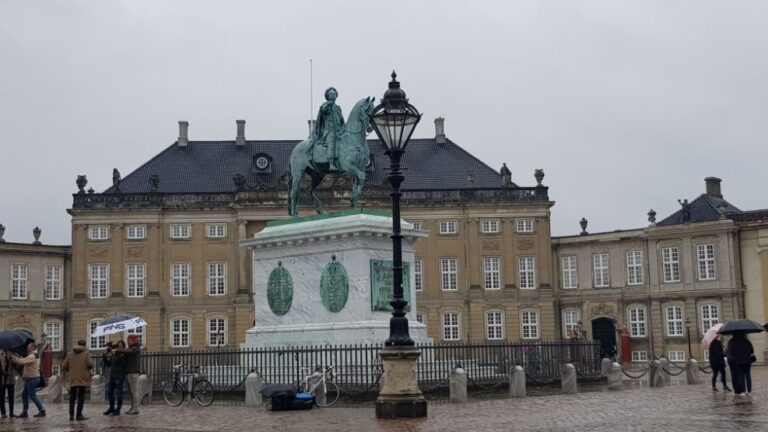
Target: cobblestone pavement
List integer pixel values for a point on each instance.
(679, 408)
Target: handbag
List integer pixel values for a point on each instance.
(41, 383)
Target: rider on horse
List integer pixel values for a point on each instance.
(329, 127)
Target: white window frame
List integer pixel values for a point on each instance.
(418, 275)
(571, 318)
(640, 356)
(638, 322)
(216, 231)
(529, 324)
(181, 334)
(54, 333)
(449, 227)
(569, 269)
(217, 279)
(634, 267)
(494, 324)
(136, 232)
(135, 280)
(707, 267)
(181, 231)
(524, 225)
(451, 326)
(492, 273)
(98, 286)
(98, 232)
(221, 328)
(489, 226)
(673, 317)
(417, 225)
(601, 273)
(449, 274)
(670, 258)
(676, 356)
(526, 272)
(53, 282)
(19, 281)
(98, 342)
(181, 279)
(420, 318)
(710, 315)
(138, 332)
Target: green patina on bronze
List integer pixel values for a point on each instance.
(382, 286)
(280, 290)
(334, 286)
(331, 215)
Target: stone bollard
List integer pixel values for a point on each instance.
(568, 378)
(692, 372)
(253, 386)
(665, 376)
(655, 378)
(97, 389)
(18, 389)
(605, 366)
(145, 389)
(458, 386)
(516, 382)
(53, 389)
(615, 380)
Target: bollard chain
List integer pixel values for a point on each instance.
(635, 376)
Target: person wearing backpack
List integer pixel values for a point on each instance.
(77, 367)
(31, 375)
(7, 383)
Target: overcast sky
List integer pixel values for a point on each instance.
(626, 105)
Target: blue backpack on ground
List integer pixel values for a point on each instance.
(285, 398)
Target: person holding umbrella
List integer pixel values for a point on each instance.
(717, 362)
(741, 354)
(7, 383)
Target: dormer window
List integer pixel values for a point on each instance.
(262, 163)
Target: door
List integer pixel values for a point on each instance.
(604, 331)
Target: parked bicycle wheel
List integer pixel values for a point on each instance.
(331, 391)
(203, 392)
(173, 393)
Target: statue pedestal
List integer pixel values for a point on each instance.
(299, 269)
(400, 396)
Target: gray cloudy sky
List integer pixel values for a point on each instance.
(626, 105)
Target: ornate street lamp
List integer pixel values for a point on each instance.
(394, 120)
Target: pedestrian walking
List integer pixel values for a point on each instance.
(77, 369)
(717, 362)
(8, 376)
(31, 376)
(116, 384)
(132, 369)
(741, 354)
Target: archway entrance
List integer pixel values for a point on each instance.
(604, 331)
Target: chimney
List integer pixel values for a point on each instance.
(713, 187)
(240, 140)
(183, 137)
(311, 124)
(440, 130)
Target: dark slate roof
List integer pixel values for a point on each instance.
(750, 216)
(705, 208)
(209, 166)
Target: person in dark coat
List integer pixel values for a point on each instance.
(8, 376)
(717, 362)
(117, 372)
(740, 353)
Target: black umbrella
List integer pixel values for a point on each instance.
(16, 341)
(741, 326)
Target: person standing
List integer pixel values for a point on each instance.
(132, 370)
(77, 367)
(717, 362)
(740, 353)
(31, 375)
(116, 383)
(7, 383)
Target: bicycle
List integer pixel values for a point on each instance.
(188, 383)
(320, 384)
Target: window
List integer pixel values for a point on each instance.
(671, 262)
(180, 333)
(676, 356)
(492, 273)
(524, 225)
(600, 270)
(706, 255)
(136, 232)
(56, 370)
(637, 322)
(494, 325)
(639, 356)
(448, 270)
(19, 274)
(99, 342)
(53, 283)
(449, 227)
(489, 226)
(262, 162)
(674, 321)
(138, 332)
(217, 230)
(570, 322)
(706, 355)
(570, 278)
(418, 275)
(634, 267)
(181, 231)
(217, 332)
(135, 274)
(217, 279)
(420, 318)
(99, 232)
(418, 225)
(710, 315)
(451, 326)
(180, 279)
(529, 321)
(526, 274)
(99, 274)
(53, 332)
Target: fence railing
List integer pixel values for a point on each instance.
(359, 368)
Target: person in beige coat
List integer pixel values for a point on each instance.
(31, 375)
(77, 369)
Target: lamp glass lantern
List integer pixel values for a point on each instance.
(394, 119)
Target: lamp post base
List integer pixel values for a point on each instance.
(400, 396)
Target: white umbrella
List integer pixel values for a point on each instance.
(118, 323)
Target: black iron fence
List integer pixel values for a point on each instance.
(359, 368)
